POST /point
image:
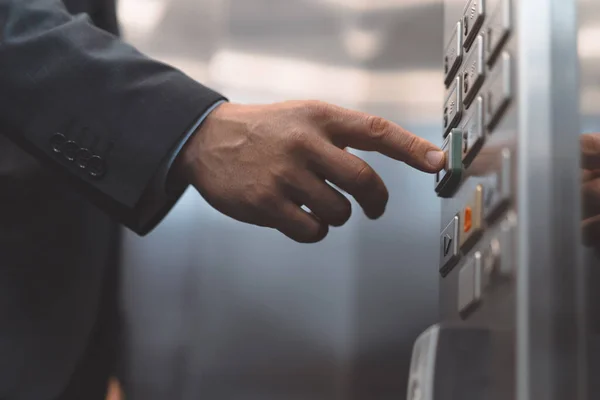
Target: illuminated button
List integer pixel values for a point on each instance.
(469, 285)
(448, 180)
(468, 220)
(473, 136)
(449, 246)
(472, 219)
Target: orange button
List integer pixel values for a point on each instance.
(468, 219)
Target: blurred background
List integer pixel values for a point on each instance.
(215, 309)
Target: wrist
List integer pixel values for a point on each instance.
(181, 171)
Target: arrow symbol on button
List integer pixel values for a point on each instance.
(447, 244)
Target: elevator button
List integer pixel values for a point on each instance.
(499, 93)
(473, 72)
(499, 256)
(474, 15)
(453, 106)
(498, 31)
(453, 54)
(449, 246)
(472, 217)
(469, 285)
(498, 188)
(448, 179)
(473, 136)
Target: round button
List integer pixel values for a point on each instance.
(96, 167)
(56, 142)
(82, 158)
(69, 150)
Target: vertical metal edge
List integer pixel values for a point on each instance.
(549, 320)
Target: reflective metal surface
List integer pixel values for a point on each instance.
(530, 283)
(589, 56)
(217, 309)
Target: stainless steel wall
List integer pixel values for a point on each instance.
(589, 54)
(217, 309)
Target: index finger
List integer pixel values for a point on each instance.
(370, 133)
(590, 150)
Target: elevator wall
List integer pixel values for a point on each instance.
(220, 310)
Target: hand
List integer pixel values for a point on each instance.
(590, 158)
(260, 163)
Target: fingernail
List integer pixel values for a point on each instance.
(435, 158)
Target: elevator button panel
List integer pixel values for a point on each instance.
(473, 133)
(498, 188)
(453, 106)
(472, 21)
(500, 92)
(449, 250)
(453, 55)
(469, 285)
(473, 72)
(472, 219)
(498, 31)
(449, 178)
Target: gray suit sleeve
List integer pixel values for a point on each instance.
(92, 107)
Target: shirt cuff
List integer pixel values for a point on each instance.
(164, 171)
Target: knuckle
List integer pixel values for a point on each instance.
(263, 198)
(317, 109)
(378, 128)
(412, 144)
(299, 139)
(364, 175)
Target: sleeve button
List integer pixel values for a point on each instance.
(96, 167)
(56, 142)
(69, 150)
(82, 158)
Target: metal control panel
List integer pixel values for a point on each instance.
(502, 190)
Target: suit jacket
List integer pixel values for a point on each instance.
(87, 124)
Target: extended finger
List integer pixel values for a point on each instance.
(366, 132)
